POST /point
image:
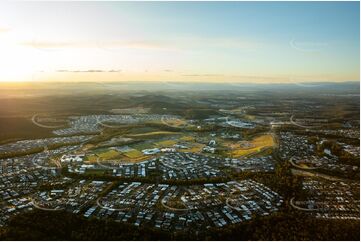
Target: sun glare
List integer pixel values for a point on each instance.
(17, 62)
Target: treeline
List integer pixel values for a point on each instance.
(48, 187)
(281, 180)
(61, 225)
(198, 113)
(288, 226)
(148, 179)
(338, 151)
(197, 181)
(105, 177)
(125, 130)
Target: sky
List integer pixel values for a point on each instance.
(266, 42)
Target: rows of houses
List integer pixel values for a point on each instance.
(28, 145)
(173, 207)
(94, 123)
(184, 165)
(297, 149)
(19, 179)
(330, 199)
(253, 164)
(75, 198)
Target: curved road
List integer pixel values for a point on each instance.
(107, 125)
(302, 126)
(108, 208)
(174, 209)
(300, 167)
(33, 119)
(172, 126)
(45, 209)
(302, 209)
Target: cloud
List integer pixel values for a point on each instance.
(115, 71)
(106, 45)
(203, 75)
(50, 45)
(235, 44)
(181, 43)
(199, 42)
(4, 30)
(308, 46)
(88, 71)
(136, 44)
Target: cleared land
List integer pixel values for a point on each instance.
(109, 154)
(133, 154)
(174, 122)
(187, 138)
(194, 148)
(155, 133)
(166, 143)
(256, 145)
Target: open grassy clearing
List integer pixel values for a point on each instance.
(187, 138)
(98, 172)
(133, 154)
(175, 122)
(109, 154)
(194, 148)
(91, 158)
(140, 129)
(155, 133)
(143, 145)
(249, 117)
(254, 146)
(166, 143)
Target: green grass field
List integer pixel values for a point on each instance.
(133, 154)
(108, 154)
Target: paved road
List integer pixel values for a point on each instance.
(45, 209)
(300, 167)
(108, 208)
(174, 209)
(33, 119)
(302, 209)
(315, 174)
(302, 126)
(172, 126)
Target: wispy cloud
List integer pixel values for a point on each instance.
(136, 44)
(115, 71)
(203, 75)
(4, 30)
(187, 43)
(234, 44)
(107, 45)
(51, 45)
(87, 71)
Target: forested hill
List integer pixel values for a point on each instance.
(41, 225)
